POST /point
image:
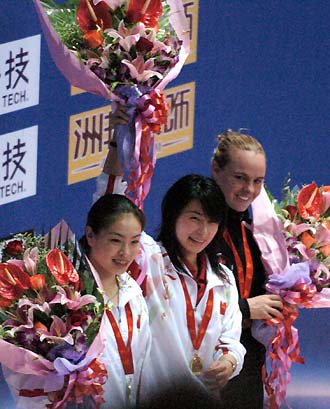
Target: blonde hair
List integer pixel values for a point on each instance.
(231, 139)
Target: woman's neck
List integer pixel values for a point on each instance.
(111, 288)
(109, 282)
(191, 262)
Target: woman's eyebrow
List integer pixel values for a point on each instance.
(195, 212)
(114, 233)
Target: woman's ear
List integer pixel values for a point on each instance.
(89, 234)
(214, 168)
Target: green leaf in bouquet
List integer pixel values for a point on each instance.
(92, 330)
(63, 19)
(118, 15)
(3, 317)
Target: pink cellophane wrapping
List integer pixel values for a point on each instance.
(74, 70)
(294, 285)
(268, 234)
(24, 369)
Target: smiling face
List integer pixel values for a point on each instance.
(113, 249)
(242, 177)
(194, 231)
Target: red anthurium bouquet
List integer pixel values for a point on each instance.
(294, 238)
(49, 320)
(305, 217)
(126, 51)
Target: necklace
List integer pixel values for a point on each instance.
(114, 293)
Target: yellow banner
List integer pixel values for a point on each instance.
(178, 133)
(90, 132)
(89, 136)
(191, 12)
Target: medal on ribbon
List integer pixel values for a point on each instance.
(196, 363)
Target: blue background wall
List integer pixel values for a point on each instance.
(261, 65)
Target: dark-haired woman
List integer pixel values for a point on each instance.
(111, 242)
(192, 299)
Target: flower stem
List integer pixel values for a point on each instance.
(90, 9)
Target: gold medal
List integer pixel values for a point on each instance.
(196, 365)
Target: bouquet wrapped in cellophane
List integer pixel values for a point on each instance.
(50, 317)
(126, 51)
(294, 238)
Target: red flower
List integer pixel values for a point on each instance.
(144, 45)
(90, 16)
(61, 267)
(93, 38)
(4, 303)
(38, 281)
(40, 326)
(310, 202)
(14, 248)
(78, 318)
(147, 12)
(13, 281)
(292, 210)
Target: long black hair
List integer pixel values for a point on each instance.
(179, 195)
(105, 211)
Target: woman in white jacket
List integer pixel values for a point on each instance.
(111, 242)
(192, 299)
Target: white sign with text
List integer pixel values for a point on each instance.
(18, 164)
(19, 74)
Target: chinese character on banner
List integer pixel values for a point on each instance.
(19, 74)
(18, 164)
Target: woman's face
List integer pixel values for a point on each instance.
(242, 178)
(194, 230)
(113, 249)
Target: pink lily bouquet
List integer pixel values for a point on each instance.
(50, 318)
(294, 239)
(126, 51)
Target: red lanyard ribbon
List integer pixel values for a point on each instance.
(125, 351)
(197, 339)
(245, 280)
(200, 277)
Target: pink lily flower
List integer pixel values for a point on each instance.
(307, 254)
(127, 36)
(58, 331)
(113, 4)
(141, 70)
(322, 272)
(74, 301)
(322, 236)
(26, 315)
(30, 259)
(158, 46)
